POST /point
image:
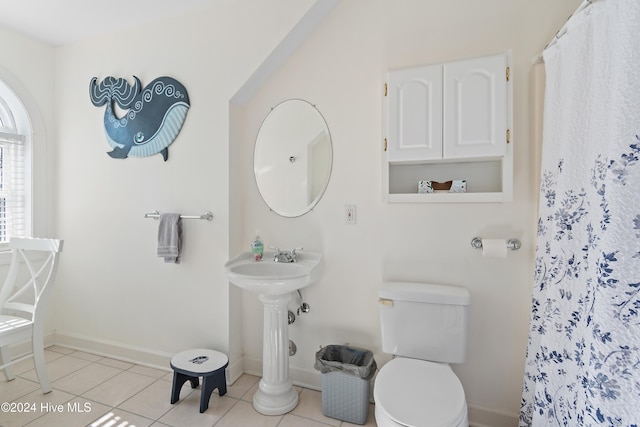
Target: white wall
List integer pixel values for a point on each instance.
(114, 294)
(341, 69)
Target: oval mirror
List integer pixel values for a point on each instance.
(292, 158)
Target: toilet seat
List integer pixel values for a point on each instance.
(411, 392)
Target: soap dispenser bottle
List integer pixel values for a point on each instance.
(257, 248)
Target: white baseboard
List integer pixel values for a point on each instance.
(478, 416)
(24, 348)
(130, 353)
(300, 377)
(234, 370)
(125, 352)
(485, 417)
(252, 366)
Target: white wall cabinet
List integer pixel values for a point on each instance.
(475, 108)
(415, 114)
(446, 122)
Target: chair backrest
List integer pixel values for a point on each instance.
(28, 286)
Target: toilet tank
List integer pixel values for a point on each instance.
(424, 321)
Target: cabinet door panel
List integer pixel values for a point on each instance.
(475, 118)
(415, 114)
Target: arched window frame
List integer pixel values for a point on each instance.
(15, 167)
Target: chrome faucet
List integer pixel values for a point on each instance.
(286, 256)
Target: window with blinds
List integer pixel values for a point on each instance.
(12, 177)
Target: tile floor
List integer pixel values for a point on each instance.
(90, 390)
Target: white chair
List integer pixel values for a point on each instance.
(27, 291)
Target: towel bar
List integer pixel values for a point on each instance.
(208, 216)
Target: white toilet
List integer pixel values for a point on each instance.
(425, 327)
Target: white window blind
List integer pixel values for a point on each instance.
(12, 186)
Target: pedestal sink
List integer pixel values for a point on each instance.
(274, 282)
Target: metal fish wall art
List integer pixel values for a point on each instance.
(154, 117)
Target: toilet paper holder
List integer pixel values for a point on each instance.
(512, 244)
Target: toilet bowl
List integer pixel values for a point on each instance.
(418, 393)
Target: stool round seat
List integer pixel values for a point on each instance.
(189, 365)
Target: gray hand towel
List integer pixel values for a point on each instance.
(170, 237)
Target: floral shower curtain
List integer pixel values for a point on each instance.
(583, 357)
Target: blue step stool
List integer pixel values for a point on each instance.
(189, 365)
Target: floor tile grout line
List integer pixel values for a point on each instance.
(140, 415)
(155, 420)
(86, 391)
(72, 394)
(97, 362)
(227, 411)
(131, 367)
(81, 395)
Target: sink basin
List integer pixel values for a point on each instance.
(267, 277)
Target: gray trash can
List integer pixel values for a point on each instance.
(346, 382)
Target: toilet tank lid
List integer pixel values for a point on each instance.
(425, 292)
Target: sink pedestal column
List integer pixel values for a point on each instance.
(276, 395)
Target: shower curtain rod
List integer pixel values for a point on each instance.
(561, 32)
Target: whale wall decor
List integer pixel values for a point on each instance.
(153, 119)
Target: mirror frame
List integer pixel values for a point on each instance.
(280, 210)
